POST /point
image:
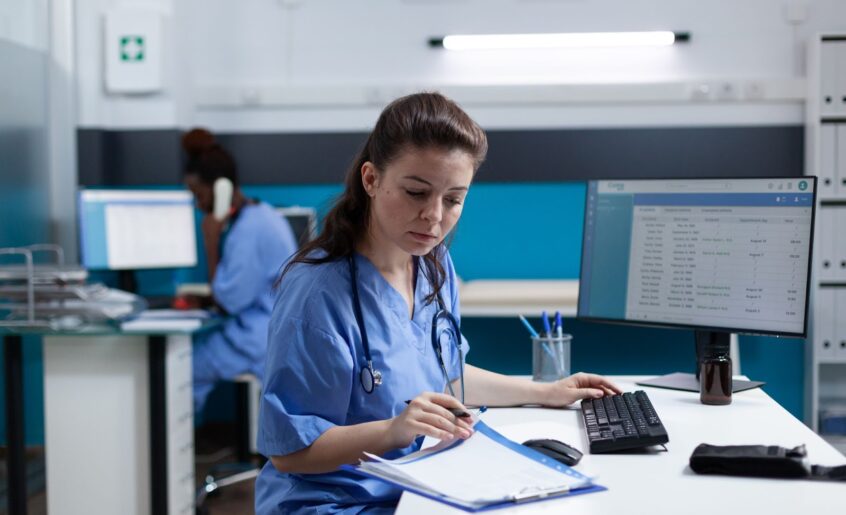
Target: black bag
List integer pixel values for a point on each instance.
(760, 461)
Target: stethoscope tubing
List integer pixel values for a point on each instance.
(369, 377)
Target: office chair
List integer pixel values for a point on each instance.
(248, 391)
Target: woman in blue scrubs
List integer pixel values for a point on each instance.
(357, 307)
(244, 253)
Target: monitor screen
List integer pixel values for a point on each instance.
(713, 254)
(303, 222)
(134, 229)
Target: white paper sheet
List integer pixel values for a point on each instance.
(154, 324)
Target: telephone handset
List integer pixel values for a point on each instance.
(223, 191)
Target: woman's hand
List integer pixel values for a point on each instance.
(577, 387)
(428, 414)
(211, 228)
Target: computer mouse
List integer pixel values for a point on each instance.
(556, 450)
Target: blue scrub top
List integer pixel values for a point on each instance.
(312, 384)
(256, 246)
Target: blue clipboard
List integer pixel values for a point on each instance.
(481, 427)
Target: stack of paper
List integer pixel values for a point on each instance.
(166, 320)
(485, 470)
(160, 314)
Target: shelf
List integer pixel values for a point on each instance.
(492, 298)
(826, 375)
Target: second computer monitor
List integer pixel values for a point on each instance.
(729, 255)
(303, 222)
(136, 229)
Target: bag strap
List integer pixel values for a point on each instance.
(824, 473)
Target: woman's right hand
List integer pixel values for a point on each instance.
(428, 414)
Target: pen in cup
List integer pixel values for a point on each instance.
(528, 326)
(548, 346)
(559, 329)
(458, 412)
(545, 321)
(535, 334)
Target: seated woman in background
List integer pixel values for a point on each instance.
(246, 242)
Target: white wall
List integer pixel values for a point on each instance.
(23, 22)
(96, 108)
(294, 65)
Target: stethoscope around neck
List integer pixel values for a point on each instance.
(371, 377)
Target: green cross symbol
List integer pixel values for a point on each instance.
(132, 48)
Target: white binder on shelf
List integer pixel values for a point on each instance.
(839, 67)
(828, 78)
(828, 161)
(838, 158)
(839, 325)
(825, 237)
(824, 321)
(836, 233)
(486, 471)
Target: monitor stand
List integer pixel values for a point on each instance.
(690, 382)
(127, 281)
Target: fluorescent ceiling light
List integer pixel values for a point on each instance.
(563, 40)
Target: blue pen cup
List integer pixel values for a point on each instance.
(551, 357)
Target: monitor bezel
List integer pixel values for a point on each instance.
(81, 228)
(670, 325)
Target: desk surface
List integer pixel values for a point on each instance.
(151, 329)
(663, 480)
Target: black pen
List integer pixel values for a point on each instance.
(458, 412)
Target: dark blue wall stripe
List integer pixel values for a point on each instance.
(147, 157)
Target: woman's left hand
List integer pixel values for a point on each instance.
(576, 387)
(211, 228)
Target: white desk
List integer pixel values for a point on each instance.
(664, 480)
(118, 422)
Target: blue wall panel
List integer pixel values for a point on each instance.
(506, 226)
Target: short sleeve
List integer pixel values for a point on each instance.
(307, 388)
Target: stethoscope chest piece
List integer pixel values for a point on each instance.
(370, 378)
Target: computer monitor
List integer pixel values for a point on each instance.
(137, 229)
(719, 256)
(303, 221)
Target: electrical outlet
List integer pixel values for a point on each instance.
(700, 91)
(727, 90)
(250, 97)
(753, 90)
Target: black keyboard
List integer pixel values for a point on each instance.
(620, 422)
